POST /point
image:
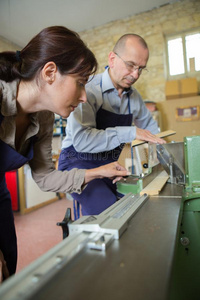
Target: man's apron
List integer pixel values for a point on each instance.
(99, 193)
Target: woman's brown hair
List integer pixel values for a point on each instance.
(56, 43)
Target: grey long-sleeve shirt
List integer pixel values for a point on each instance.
(43, 170)
(81, 131)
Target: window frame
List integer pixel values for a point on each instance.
(181, 35)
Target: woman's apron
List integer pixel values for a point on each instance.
(10, 159)
(99, 193)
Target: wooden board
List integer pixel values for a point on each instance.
(154, 187)
(160, 134)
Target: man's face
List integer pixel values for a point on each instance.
(126, 66)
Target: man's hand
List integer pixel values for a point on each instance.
(146, 135)
(4, 273)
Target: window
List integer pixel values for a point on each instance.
(183, 55)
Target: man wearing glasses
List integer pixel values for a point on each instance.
(97, 130)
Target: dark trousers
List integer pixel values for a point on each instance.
(8, 241)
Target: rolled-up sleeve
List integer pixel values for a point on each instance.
(42, 166)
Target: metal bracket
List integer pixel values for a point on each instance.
(100, 241)
(171, 157)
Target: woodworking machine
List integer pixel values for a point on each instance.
(165, 157)
(143, 247)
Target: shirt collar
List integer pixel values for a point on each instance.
(108, 85)
(9, 103)
(107, 82)
(9, 91)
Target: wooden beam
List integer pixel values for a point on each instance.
(160, 134)
(156, 185)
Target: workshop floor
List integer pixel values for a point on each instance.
(37, 231)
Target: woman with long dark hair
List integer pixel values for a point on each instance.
(47, 76)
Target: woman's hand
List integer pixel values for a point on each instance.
(113, 171)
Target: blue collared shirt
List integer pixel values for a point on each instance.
(81, 129)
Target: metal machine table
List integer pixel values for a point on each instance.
(137, 266)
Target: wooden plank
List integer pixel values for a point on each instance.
(160, 134)
(154, 187)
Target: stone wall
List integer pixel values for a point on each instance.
(152, 26)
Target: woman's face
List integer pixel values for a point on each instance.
(67, 92)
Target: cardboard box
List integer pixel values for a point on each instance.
(189, 87)
(183, 127)
(172, 89)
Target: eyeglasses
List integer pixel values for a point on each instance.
(131, 67)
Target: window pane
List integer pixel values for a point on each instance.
(193, 52)
(175, 52)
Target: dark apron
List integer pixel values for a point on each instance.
(99, 193)
(10, 160)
